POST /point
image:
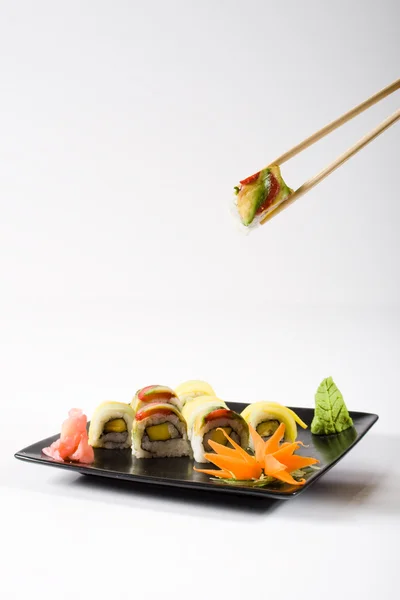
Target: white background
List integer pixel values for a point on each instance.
(123, 128)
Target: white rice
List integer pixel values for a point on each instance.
(114, 440)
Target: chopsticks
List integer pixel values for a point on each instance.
(308, 185)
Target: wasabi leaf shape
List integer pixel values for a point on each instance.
(331, 415)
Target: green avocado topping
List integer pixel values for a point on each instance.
(251, 196)
(331, 415)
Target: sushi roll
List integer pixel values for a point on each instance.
(159, 431)
(155, 393)
(260, 194)
(265, 418)
(205, 416)
(193, 389)
(111, 426)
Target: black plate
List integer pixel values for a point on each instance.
(179, 472)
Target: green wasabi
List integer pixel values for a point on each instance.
(331, 415)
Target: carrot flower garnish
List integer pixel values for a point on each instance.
(272, 460)
(234, 461)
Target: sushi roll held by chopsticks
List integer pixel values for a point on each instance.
(205, 416)
(111, 426)
(159, 431)
(260, 194)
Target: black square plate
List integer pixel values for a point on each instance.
(178, 472)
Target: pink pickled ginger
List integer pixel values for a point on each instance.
(73, 442)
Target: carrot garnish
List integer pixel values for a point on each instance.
(272, 459)
(224, 450)
(294, 462)
(285, 451)
(239, 468)
(287, 478)
(259, 444)
(239, 450)
(272, 445)
(272, 466)
(215, 473)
